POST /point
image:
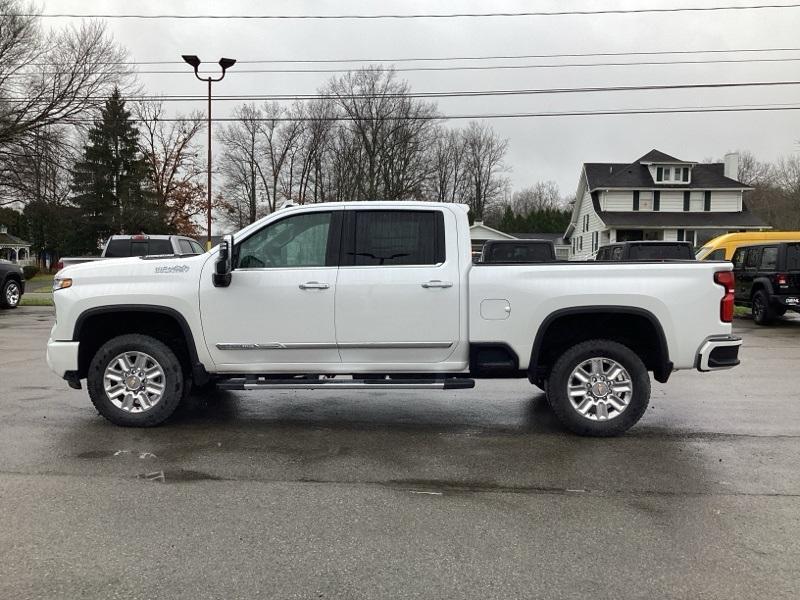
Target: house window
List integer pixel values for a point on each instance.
(667, 172)
(659, 173)
(581, 244)
(685, 177)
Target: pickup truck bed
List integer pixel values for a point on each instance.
(385, 294)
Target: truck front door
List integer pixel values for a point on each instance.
(398, 289)
(278, 310)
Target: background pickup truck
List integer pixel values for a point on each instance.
(518, 251)
(384, 295)
(122, 246)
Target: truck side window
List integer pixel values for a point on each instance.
(616, 253)
(753, 258)
(296, 241)
(718, 254)
(738, 258)
(396, 237)
(186, 247)
(769, 259)
(793, 257)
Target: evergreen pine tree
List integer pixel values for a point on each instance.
(110, 183)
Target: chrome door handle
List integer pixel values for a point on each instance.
(314, 285)
(436, 283)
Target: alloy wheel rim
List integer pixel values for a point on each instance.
(12, 294)
(758, 308)
(134, 382)
(599, 389)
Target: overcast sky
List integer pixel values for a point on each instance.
(539, 148)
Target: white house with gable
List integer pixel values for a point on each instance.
(657, 197)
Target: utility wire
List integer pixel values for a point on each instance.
(611, 11)
(625, 111)
(450, 68)
(443, 94)
(453, 58)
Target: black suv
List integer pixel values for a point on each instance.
(655, 250)
(12, 284)
(768, 279)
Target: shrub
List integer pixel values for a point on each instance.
(30, 271)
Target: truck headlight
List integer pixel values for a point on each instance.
(61, 283)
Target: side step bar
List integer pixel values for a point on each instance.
(253, 383)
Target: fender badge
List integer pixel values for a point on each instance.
(172, 269)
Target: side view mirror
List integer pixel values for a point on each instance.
(224, 264)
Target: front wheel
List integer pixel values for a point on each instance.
(135, 381)
(599, 388)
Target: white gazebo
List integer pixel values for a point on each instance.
(13, 248)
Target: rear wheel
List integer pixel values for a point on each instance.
(10, 294)
(762, 312)
(599, 388)
(135, 381)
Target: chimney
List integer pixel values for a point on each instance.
(732, 165)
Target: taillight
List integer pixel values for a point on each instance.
(726, 280)
(782, 279)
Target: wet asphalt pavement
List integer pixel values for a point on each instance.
(458, 494)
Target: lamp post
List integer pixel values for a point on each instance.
(225, 64)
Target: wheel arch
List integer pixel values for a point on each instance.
(558, 331)
(761, 283)
(177, 334)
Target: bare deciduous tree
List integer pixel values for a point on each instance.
(169, 149)
(484, 165)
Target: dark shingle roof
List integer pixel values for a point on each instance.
(658, 156)
(7, 238)
(682, 220)
(621, 175)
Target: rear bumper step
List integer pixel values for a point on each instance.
(719, 352)
(256, 383)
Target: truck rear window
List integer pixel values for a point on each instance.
(519, 253)
(122, 248)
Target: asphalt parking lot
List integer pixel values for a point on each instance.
(474, 494)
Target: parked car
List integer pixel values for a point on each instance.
(655, 250)
(518, 251)
(384, 295)
(12, 284)
(122, 246)
(723, 246)
(768, 279)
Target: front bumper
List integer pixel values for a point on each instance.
(718, 352)
(62, 357)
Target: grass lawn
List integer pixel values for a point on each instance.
(741, 311)
(38, 291)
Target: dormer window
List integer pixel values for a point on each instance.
(664, 174)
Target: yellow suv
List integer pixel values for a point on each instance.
(723, 247)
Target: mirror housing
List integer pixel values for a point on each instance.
(224, 264)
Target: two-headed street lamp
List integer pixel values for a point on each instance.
(225, 64)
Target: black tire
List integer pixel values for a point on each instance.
(173, 380)
(7, 298)
(559, 381)
(762, 311)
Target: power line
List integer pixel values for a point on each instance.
(559, 13)
(445, 94)
(453, 68)
(455, 58)
(625, 111)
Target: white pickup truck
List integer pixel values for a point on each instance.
(384, 295)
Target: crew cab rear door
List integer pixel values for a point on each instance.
(397, 292)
